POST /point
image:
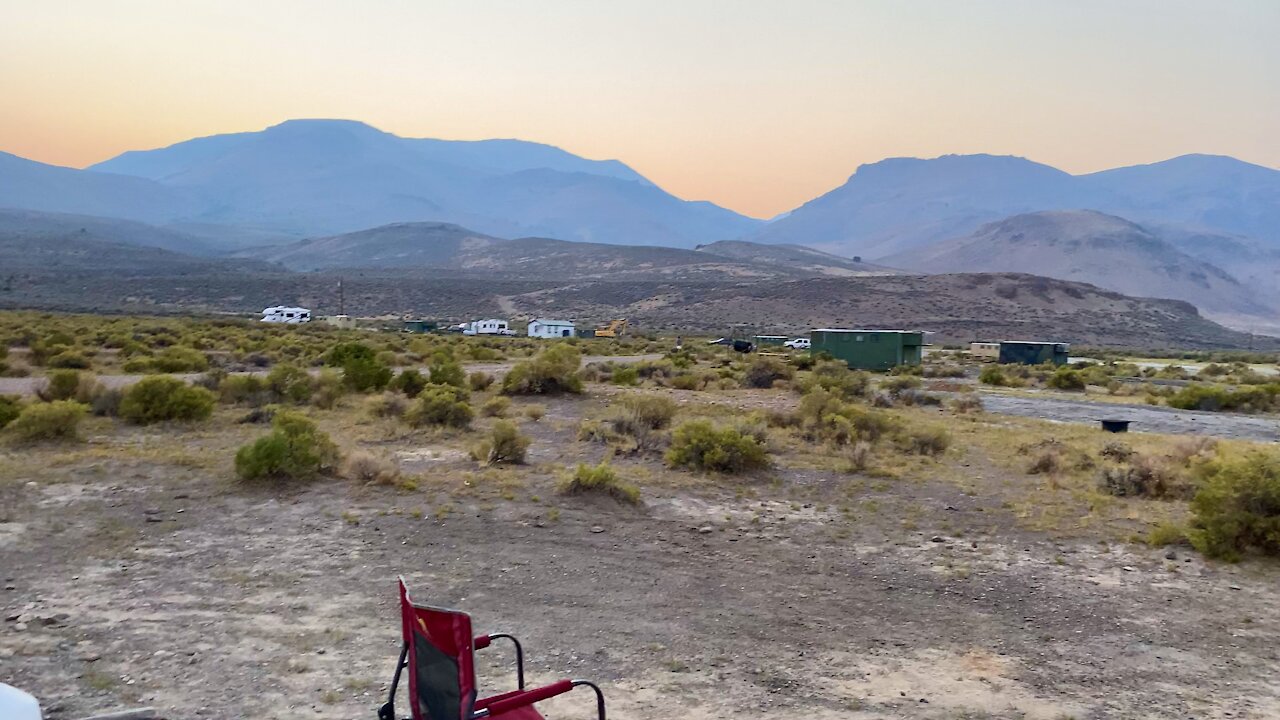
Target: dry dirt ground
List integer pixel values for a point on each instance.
(136, 572)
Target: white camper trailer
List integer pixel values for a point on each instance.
(543, 328)
(282, 314)
(488, 327)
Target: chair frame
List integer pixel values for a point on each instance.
(495, 704)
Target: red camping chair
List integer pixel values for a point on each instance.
(439, 651)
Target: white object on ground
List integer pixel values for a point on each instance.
(17, 705)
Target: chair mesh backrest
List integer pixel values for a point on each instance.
(442, 680)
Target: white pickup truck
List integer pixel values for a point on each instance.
(798, 344)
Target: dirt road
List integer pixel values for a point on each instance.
(1145, 418)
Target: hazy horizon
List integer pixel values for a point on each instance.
(754, 105)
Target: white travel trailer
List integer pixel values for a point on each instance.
(543, 328)
(488, 327)
(282, 314)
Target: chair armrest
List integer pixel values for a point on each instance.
(519, 699)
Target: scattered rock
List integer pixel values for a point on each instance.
(597, 529)
(706, 530)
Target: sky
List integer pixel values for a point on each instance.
(755, 105)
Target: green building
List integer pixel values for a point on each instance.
(418, 326)
(869, 349)
(771, 339)
(1027, 352)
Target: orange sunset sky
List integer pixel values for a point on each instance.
(754, 105)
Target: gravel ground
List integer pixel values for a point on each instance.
(1144, 418)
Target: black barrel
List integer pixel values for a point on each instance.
(1115, 426)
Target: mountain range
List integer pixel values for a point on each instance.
(310, 195)
(898, 204)
(305, 178)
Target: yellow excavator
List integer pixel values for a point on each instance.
(614, 329)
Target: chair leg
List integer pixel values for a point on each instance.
(388, 709)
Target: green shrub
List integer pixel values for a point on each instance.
(328, 389)
(362, 371)
(69, 359)
(366, 374)
(600, 479)
(1237, 508)
(496, 407)
(652, 411)
(179, 359)
(60, 385)
(289, 383)
(822, 415)
(930, 440)
(243, 389)
(339, 355)
(993, 375)
(479, 381)
(553, 370)
(625, 375)
(699, 445)
(56, 420)
(388, 405)
(160, 398)
(764, 371)
(136, 365)
(1213, 398)
(504, 446)
(1167, 534)
(1066, 379)
(409, 382)
(446, 371)
(534, 412)
(444, 405)
(835, 376)
(896, 385)
(295, 450)
(10, 408)
(687, 381)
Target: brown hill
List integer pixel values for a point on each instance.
(1088, 246)
(448, 246)
(796, 257)
(957, 308)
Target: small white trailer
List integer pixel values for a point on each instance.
(487, 327)
(283, 314)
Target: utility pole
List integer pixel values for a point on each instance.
(342, 299)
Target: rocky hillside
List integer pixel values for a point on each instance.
(957, 308)
(1090, 247)
(800, 258)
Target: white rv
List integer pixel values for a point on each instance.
(488, 327)
(282, 314)
(543, 328)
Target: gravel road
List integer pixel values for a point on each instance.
(1144, 418)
